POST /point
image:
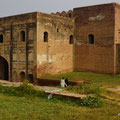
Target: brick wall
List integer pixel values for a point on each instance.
(56, 55)
(99, 21)
(15, 49)
(117, 37)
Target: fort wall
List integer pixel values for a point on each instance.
(18, 53)
(85, 39)
(96, 56)
(117, 37)
(56, 54)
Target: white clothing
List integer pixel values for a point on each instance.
(62, 83)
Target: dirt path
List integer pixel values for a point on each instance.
(47, 89)
(115, 95)
(116, 89)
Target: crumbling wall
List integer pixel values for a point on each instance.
(13, 49)
(56, 55)
(68, 14)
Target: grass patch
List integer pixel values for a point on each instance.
(85, 89)
(37, 108)
(99, 79)
(27, 90)
(26, 103)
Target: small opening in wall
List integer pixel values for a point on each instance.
(30, 78)
(22, 35)
(91, 39)
(45, 36)
(22, 76)
(57, 30)
(1, 38)
(71, 39)
(70, 15)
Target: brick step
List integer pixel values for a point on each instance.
(56, 82)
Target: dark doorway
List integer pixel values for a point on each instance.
(4, 71)
(22, 35)
(1, 38)
(22, 76)
(30, 77)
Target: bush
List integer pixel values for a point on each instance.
(21, 91)
(87, 102)
(91, 102)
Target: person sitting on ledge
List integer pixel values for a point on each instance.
(62, 82)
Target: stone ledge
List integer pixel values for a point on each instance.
(56, 82)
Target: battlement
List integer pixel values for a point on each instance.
(68, 14)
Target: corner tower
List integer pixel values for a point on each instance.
(95, 48)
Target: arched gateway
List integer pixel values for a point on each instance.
(4, 70)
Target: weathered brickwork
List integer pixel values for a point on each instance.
(19, 54)
(117, 38)
(98, 21)
(56, 55)
(85, 39)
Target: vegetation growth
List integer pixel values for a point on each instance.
(26, 103)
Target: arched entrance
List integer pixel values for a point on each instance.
(4, 70)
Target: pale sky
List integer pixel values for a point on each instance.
(13, 7)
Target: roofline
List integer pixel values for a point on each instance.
(113, 3)
(24, 14)
(18, 15)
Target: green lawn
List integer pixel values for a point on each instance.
(99, 79)
(36, 108)
(33, 105)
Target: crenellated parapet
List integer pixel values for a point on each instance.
(68, 14)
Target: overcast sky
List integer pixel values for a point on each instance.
(13, 7)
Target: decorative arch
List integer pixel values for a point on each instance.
(22, 35)
(22, 76)
(45, 36)
(4, 69)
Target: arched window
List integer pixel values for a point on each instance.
(22, 36)
(71, 39)
(4, 69)
(45, 36)
(1, 38)
(91, 39)
(22, 76)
